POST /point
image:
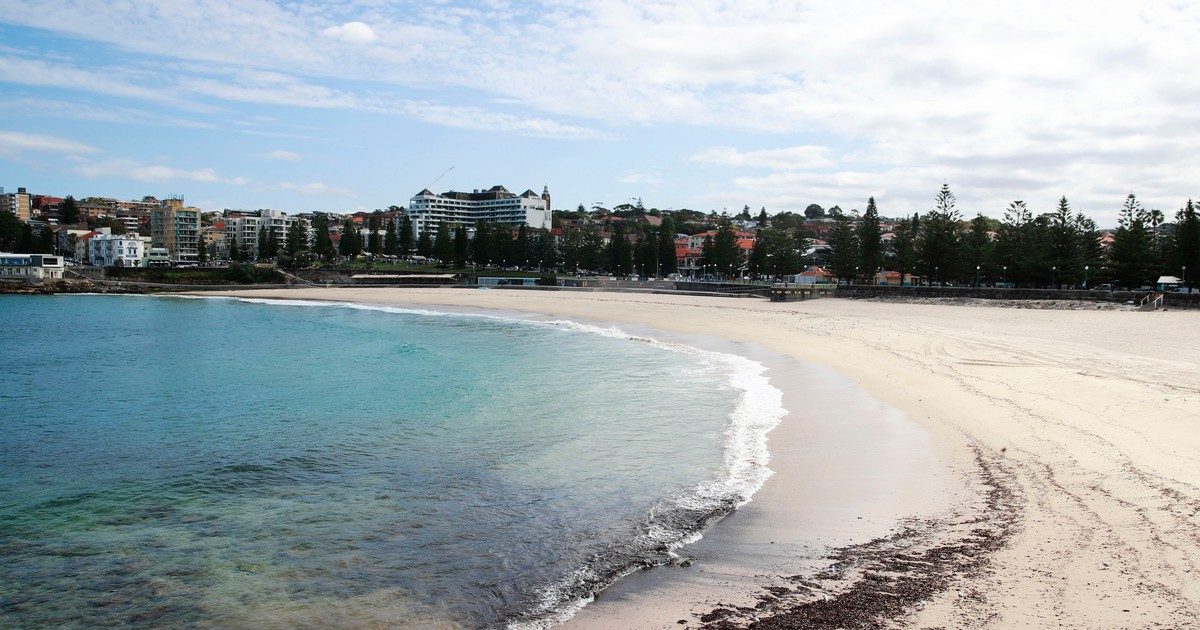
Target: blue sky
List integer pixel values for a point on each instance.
(358, 104)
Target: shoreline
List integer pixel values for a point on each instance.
(1072, 404)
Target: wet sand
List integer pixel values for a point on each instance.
(1011, 467)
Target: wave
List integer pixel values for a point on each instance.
(675, 521)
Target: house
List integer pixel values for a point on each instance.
(893, 279)
(815, 275)
(30, 267)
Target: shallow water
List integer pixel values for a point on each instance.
(215, 463)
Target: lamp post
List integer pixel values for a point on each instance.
(1184, 267)
(1005, 281)
(976, 276)
(1054, 277)
(936, 276)
(1085, 275)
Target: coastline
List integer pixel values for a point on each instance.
(1087, 439)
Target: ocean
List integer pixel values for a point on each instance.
(251, 463)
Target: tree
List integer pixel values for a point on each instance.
(813, 211)
(667, 263)
(762, 217)
(45, 241)
(904, 247)
(234, 252)
(843, 249)
(262, 242)
(374, 243)
(1064, 255)
(68, 211)
(443, 246)
(1132, 252)
(297, 237)
(460, 247)
(322, 243)
(405, 236)
(201, 250)
(390, 241)
(870, 241)
(620, 253)
(1186, 244)
(351, 243)
(979, 249)
(938, 241)
(723, 253)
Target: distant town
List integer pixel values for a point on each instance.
(42, 235)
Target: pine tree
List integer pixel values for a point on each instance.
(521, 250)
(322, 242)
(979, 249)
(572, 249)
(460, 247)
(666, 247)
(870, 242)
(262, 243)
(406, 235)
(843, 249)
(904, 248)
(201, 250)
(296, 239)
(481, 246)
(68, 211)
(234, 253)
(762, 217)
(443, 247)
(1186, 245)
(425, 244)
(1132, 253)
(1064, 255)
(374, 243)
(390, 241)
(937, 242)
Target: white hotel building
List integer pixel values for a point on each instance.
(494, 205)
(118, 250)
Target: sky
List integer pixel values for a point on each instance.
(349, 105)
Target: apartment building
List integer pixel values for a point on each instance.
(175, 228)
(19, 203)
(494, 205)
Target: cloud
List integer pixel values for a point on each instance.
(633, 177)
(354, 32)
(127, 169)
(799, 157)
(13, 143)
(316, 189)
(921, 89)
(287, 156)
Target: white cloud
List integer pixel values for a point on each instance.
(799, 157)
(280, 154)
(127, 169)
(13, 143)
(1019, 99)
(354, 32)
(634, 177)
(316, 189)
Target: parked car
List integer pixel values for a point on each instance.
(1103, 287)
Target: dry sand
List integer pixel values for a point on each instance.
(1090, 420)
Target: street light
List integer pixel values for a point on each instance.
(1085, 275)
(936, 276)
(1054, 277)
(1005, 281)
(976, 276)
(1184, 275)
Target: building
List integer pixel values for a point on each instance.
(176, 228)
(19, 203)
(244, 226)
(30, 267)
(106, 249)
(494, 205)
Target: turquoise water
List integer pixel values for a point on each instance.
(219, 463)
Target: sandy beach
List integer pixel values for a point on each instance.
(942, 466)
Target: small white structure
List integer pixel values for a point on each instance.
(30, 267)
(117, 250)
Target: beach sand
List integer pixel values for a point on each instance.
(1015, 468)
